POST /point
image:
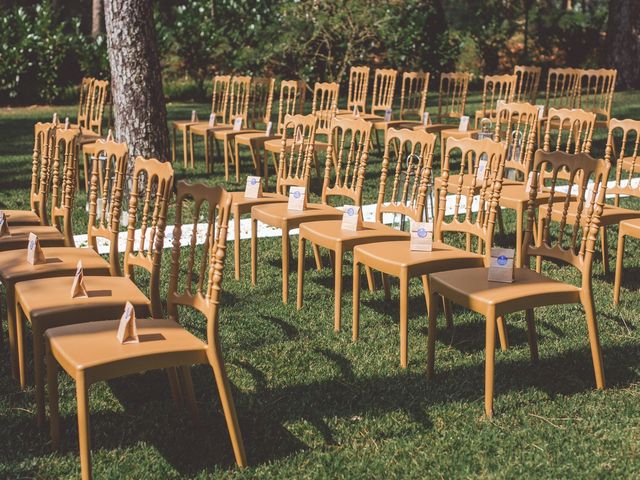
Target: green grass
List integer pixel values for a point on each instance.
(314, 404)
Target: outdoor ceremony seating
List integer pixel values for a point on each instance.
(358, 88)
(398, 260)
(497, 89)
(573, 245)
(527, 83)
(90, 352)
(595, 89)
(561, 92)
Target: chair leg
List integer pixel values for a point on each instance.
(85, 161)
(254, 251)
(427, 291)
(502, 334)
(594, 340)
(11, 329)
(228, 406)
(191, 149)
(605, 249)
(190, 395)
(431, 336)
(619, 266)
(174, 385)
(356, 301)
(317, 256)
(185, 148)
(207, 161)
(20, 343)
(532, 336)
(227, 153)
(38, 364)
(448, 312)
(519, 217)
(539, 242)
(173, 145)
(370, 279)
(386, 287)
(236, 241)
(404, 300)
(500, 220)
(490, 354)
(84, 435)
(302, 242)
(337, 307)
(285, 265)
(52, 390)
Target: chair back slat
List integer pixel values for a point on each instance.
(64, 177)
(358, 87)
(595, 91)
(452, 95)
(325, 105)
(516, 127)
(527, 83)
(261, 100)
(296, 154)
(413, 94)
(220, 97)
(288, 103)
(384, 87)
(625, 152)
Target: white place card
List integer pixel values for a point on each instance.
(356, 111)
(268, 130)
(66, 123)
(194, 116)
(237, 124)
(387, 115)
(463, 126)
(54, 120)
(127, 329)
(4, 226)
(425, 119)
(253, 188)
(421, 237)
(540, 111)
(499, 104)
(297, 198)
(299, 137)
(351, 218)
(78, 289)
(35, 255)
(212, 120)
(501, 266)
(482, 167)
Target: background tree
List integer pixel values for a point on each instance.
(623, 41)
(136, 78)
(96, 18)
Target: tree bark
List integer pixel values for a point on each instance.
(96, 18)
(136, 78)
(623, 41)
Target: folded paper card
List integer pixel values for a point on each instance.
(482, 167)
(463, 126)
(194, 116)
(297, 198)
(387, 115)
(425, 119)
(127, 330)
(78, 289)
(253, 189)
(212, 120)
(356, 112)
(268, 130)
(540, 111)
(299, 137)
(35, 255)
(237, 124)
(351, 218)
(501, 267)
(4, 226)
(421, 237)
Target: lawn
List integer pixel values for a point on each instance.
(314, 404)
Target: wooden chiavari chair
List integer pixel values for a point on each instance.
(527, 83)
(595, 93)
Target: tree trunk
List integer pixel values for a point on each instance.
(623, 41)
(96, 18)
(136, 78)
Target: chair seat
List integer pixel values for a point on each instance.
(436, 127)
(471, 289)
(60, 261)
(182, 125)
(514, 195)
(50, 299)
(455, 133)
(278, 215)
(276, 145)
(630, 227)
(329, 234)
(87, 136)
(19, 218)
(18, 237)
(202, 128)
(610, 215)
(466, 182)
(93, 348)
(230, 133)
(244, 205)
(394, 256)
(245, 138)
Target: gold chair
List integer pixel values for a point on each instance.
(92, 131)
(358, 87)
(293, 126)
(471, 289)
(86, 86)
(595, 93)
(340, 180)
(413, 101)
(452, 98)
(408, 156)
(90, 352)
(396, 259)
(288, 104)
(561, 92)
(219, 102)
(569, 130)
(40, 176)
(527, 83)
(497, 89)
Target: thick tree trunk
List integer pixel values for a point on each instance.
(96, 18)
(623, 41)
(136, 79)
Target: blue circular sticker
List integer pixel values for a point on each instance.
(502, 260)
(254, 181)
(350, 211)
(296, 194)
(32, 245)
(422, 232)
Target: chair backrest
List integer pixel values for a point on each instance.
(575, 240)
(497, 88)
(413, 94)
(325, 105)
(239, 99)
(471, 190)
(290, 96)
(296, 154)
(358, 87)
(408, 156)
(97, 101)
(516, 127)
(452, 95)
(347, 156)
(384, 89)
(527, 83)
(83, 102)
(105, 197)
(625, 153)
(562, 84)
(64, 178)
(200, 285)
(151, 187)
(220, 97)
(41, 169)
(595, 91)
(261, 100)
(573, 130)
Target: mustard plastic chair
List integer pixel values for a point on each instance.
(574, 245)
(396, 259)
(561, 93)
(527, 83)
(595, 91)
(408, 156)
(413, 102)
(358, 88)
(90, 352)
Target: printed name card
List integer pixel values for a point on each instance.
(35, 255)
(55, 119)
(482, 167)
(499, 104)
(78, 289)
(501, 267)
(297, 198)
(66, 123)
(194, 116)
(540, 111)
(253, 189)
(212, 120)
(463, 126)
(425, 119)
(299, 137)
(356, 111)
(127, 330)
(237, 124)
(4, 226)
(387, 115)
(421, 237)
(351, 218)
(268, 130)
